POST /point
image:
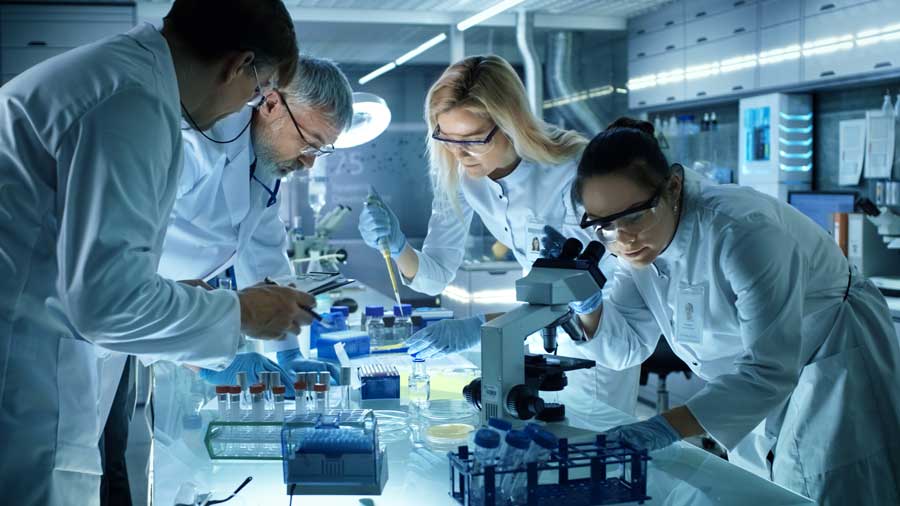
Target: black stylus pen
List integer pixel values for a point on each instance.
(309, 310)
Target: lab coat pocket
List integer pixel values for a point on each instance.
(78, 426)
(832, 414)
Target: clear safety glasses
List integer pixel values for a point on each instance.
(474, 148)
(632, 221)
(310, 149)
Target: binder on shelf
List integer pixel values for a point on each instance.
(840, 230)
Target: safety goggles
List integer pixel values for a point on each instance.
(474, 148)
(310, 149)
(633, 220)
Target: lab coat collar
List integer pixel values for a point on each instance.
(684, 234)
(518, 176)
(149, 37)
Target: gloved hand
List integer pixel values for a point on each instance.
(653, 434)
(293, 362)
(377, 222)
(552, 242)
(445, 336)
(588, 305)
(252, 364)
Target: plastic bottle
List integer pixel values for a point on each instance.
(257, 401)
(542, 444)
(278, 400)
(713, 122)
(487, 446)
(704, 125)
(511, 456)
(402, 323)
(897, 107)
(373, 324)
(265, 377)
(501, 427)
(340, 314)
(222, 392)
(419, 384)
(886, 107)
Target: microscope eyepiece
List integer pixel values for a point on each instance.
(571, 248)
(593, 252)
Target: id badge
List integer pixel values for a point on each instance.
(691, 315)
(534, 231)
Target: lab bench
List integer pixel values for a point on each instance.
(419, 475)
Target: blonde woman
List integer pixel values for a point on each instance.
(489, 155)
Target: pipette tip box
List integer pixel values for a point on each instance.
(379, 382)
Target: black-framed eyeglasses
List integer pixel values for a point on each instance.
(474, 147)
(310, 149)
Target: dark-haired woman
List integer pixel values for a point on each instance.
(797, 347)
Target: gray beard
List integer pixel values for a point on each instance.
(267, 168)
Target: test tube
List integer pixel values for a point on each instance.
(222, 399)
(300, 407)
(245, 393)
(345, 387)
(257, 401)
(265, 378)
(278, 399)
(321, 402)
(234, 401)
(311, 379)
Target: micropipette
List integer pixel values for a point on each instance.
(386, 253)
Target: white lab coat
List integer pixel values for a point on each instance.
(221, 218)
(533, 193)
(770, 331)
(90, 155)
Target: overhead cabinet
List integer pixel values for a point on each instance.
(731, 47)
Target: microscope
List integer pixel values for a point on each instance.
(315, 248)
(511, 378)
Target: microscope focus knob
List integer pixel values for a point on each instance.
(472, 393)
(524, 402)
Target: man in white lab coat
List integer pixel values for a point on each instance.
(226, 212)
(90, 159)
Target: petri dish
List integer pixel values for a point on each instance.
(446, 410)
(392, 425)
(448, 435)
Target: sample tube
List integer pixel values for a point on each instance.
(244, 384)
(222, 392)
(511, 456)
(278, 400)
(321, 396)
(487, 445)
(311, 379)
(345, 387)
(300, 407)
(265, 378)
(234, 401)
(542, 445)
(257, 401)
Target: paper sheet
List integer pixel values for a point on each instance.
(879, 145)
(852, 151)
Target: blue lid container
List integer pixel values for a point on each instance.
(341, 309)
(500, 424)
(405, 310)
(544, 439)
(486, 438)
(374, 311)
(518, 439)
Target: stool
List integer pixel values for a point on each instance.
(663, 362)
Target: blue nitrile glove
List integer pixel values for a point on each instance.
(293, 362)
(252, 364)
(377, 222)
(653, 434)
(552, 242)
(445, 336)
(588, 305)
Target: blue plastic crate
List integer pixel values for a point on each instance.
(356, 344)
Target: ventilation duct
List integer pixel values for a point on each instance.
(560, 81)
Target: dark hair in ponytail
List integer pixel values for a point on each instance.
(628, 147)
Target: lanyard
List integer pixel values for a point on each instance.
(273, 194)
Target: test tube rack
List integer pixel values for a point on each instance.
(617, 474)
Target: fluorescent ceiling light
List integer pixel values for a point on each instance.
(387, 67)
(487, 14)
(421, 49)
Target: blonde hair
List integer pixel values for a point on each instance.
(489, 87)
